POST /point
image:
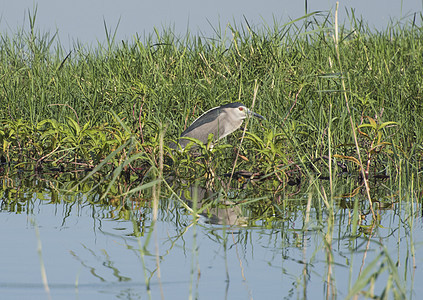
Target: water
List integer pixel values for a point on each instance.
(89, 252)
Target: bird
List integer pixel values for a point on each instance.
(220, 121)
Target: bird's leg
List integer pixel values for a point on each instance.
(210, 175)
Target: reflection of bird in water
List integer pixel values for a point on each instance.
(225, 212)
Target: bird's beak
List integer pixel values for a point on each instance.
(251, 113)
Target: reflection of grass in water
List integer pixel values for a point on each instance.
(105, 260)
(40, 255)
(374, 274)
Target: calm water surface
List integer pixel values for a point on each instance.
(90, 253)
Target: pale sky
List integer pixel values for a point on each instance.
(82, 20)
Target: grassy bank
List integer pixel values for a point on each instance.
(347, 93)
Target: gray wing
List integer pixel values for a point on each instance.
(209, 122)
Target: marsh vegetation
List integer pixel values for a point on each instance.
(341, 144)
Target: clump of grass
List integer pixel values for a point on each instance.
(58, 104)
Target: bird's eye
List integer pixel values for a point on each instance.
(241, 108)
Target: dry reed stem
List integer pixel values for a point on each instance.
(243, 134)
(366, 183)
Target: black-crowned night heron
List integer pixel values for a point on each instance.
(220, 121)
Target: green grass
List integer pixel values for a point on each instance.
(345, 93)
(84, 108)
(173, 79)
